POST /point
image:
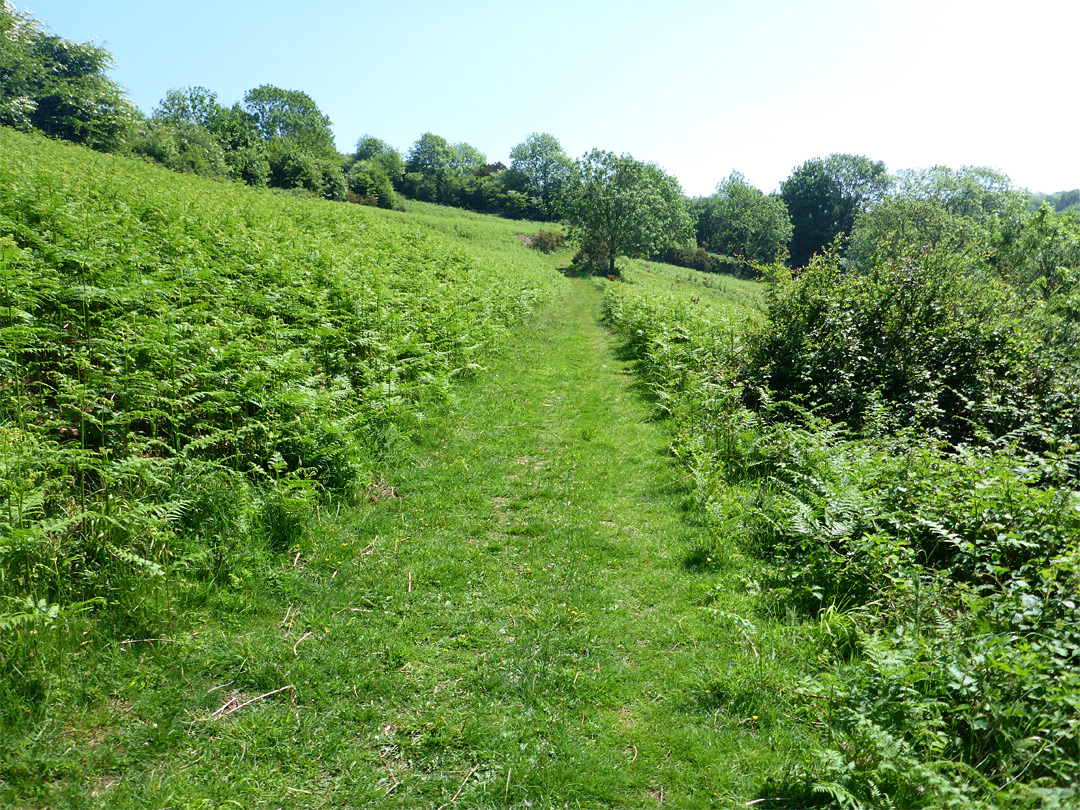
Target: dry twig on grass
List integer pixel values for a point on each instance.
(472, 770)
(227, 709)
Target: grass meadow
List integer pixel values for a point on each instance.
(308, 504)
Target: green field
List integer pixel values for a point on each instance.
(309, 504)
(237, 462)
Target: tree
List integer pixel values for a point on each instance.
(190, 105)
(181, 133)
(58, 87)
(823, 197)
(740, 220)
(292, 116)
(430, 155)
(370, 148)
(437, 171)
(619, 206)
(540, 168)
(429, 160)
(938, 206)
(903, 225)
(1043, 258)
(981, 194)
(466, 159)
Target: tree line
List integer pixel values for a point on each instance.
(612, 205)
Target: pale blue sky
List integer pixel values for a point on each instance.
(698, 87)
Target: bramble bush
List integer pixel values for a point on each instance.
(899, 448)
(547, 241)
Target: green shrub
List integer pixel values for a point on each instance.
(957, 355)
(368, 180)
(592, 257)
(182, 147)
(699, 259)
(291, 168)
(547, 241)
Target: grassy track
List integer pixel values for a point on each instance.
(516, 620)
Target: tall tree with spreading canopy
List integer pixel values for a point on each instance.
(540, 168)
(290, 116)
(823, 197)
(618, 206)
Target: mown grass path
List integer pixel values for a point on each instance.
(511, 622)
(543, 626)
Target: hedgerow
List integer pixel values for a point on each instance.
(898, 448)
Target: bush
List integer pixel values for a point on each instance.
(249, 164)
(292, 168)
(183, 147)
(705, 262)
(958, 356)
(368, 181)
(547, 241)
(592, 257)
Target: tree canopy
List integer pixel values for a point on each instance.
(291, 116)
(58, 87)
(189, 105)
(904, 225)
(740, 220)
(618, 206)
(980, 193)
(823, 197)
(540, 168)
(937, 207)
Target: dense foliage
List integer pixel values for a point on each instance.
(900, 450)
(739, 220)
(190, 371)
(618, 206)
(823, 197)
(58, 87)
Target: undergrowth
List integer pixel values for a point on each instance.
(190, 371)
(898, 450)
